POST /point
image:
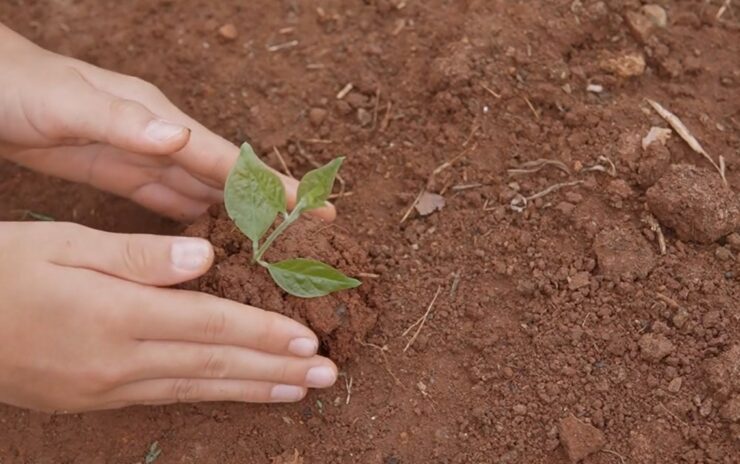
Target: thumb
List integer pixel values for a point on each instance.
(147, 259)
(123, 123)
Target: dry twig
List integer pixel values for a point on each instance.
(419, 324)
(655, 227)
(537, 165)
(519, 203)
(345, 90)
(611, 170)
(685, 134)
(614, 453)
(282, 163)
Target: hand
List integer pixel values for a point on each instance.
(82, 326)
(69, 119)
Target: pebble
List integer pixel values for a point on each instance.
(675, 385)
(656, 14)
(628, 65)
(317, 116)
(733, 241)
(580, 279)
(364, 117)
(228, 31)
(520, 409)
(579, 439)
(723, 254)
(655, 347)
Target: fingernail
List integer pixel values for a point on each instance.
(305, 347)
(190, 254)
(286, 393)
(161, 131)
(320, 377)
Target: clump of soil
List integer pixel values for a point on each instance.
(695, 203)
(339, 319)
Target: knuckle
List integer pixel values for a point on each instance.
(185, 390)
(146, 88)
(215, 326)
(135, 257)
(268, 330)
(215, 365)
(121, 108)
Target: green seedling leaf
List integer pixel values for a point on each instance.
(316, 185)
(254, 195)
(307, 278)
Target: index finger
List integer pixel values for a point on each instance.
(206, 155)
(187, 316)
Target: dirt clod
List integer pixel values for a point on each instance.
(628, 65)
(731, 410)
(655, 347)
(579, 439)
(623, 252)
(317, 116)
(228, 32)
(723, 372)
(695, 203)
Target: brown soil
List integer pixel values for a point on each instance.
(340, 319)
(551, 323)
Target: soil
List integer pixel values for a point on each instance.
(558, 330)
(340, 319)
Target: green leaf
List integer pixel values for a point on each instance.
(316, 185)
(254, 195)
(307, 278)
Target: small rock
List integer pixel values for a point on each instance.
(580, 279)
(731, 410)
(520, 409)
(723, 254)
(706, 408)
(695, 203)
(733, 241)
(628, 65)
(640, 26)
(656, 14)
(623, 251)
(655, 347)
(228, 31)
(565, 207)
(317, 116)
(680, 318)
(723, 372)
(364, 117)
(674, 386)
(579, 439)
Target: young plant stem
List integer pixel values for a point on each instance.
(289, 219)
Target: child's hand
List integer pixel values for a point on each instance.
(118, 133)
(82, 326)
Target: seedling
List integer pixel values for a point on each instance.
(255, 196)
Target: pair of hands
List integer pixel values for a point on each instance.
(84, 321)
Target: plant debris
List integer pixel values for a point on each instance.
(656, 134)
(685, 134)
(429, 202)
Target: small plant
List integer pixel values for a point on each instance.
(254, 196)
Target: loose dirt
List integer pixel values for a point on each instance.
(565, 311)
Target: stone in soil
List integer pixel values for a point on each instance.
(228, 32)
(339, 319)
(695, 204)
(579, 439)
(723, 372)
(730, 412)
(623, 252)
(631, 64)
(655, 347)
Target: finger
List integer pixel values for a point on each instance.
(179, 315)
(178, 179)
(167, 391)
(155, 359)
(165, 201)
(85, 112)
(147, 259)
(207, 155)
